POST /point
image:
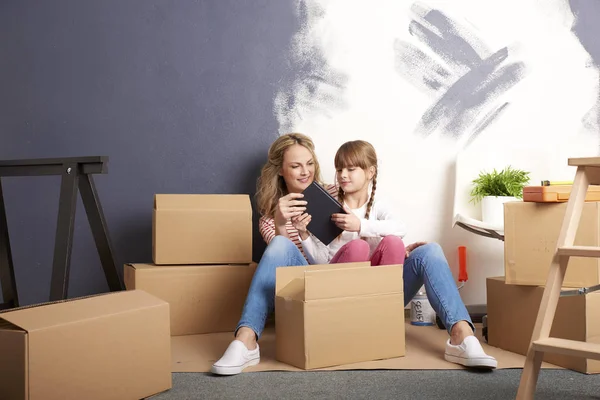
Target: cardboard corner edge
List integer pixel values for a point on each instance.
(14, 364)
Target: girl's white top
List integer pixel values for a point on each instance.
(381, 223)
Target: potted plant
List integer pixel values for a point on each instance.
(494, 189)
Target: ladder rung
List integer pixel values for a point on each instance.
(586, 161)
(579, 251)
(568, 347)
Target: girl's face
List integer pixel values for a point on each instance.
(354, 179)
(298, 168)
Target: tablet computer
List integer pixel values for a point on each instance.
(321, 206)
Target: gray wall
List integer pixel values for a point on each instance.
(179, 96)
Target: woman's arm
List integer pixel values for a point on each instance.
(382, 222)
(266, 227)
(288, 206)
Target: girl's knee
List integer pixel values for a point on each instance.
(394, 241)
(355, 251)
(359, 245)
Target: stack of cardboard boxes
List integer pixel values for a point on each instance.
(530, 235)
(202, 253)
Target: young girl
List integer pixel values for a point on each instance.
(371, 233)
(370, 230)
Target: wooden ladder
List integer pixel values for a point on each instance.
(588, 173)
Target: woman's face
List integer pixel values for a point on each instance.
(298, 168)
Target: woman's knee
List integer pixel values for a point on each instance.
(431, 251)
(279, 245)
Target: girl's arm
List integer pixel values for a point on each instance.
(383, 224)
(316, 252)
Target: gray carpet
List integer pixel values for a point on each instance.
(398, 384)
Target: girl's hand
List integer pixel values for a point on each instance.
(413, 246)
(301, 223)
(348, 222)
(289, 206)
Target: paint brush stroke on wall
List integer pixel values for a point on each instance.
(587, 16)
(315, 87)
(453, 65)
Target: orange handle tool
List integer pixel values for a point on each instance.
(462, 264)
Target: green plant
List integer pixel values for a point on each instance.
(508, 182)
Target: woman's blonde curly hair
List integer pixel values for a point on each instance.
(270, 185)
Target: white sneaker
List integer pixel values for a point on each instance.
(469, 353)
(235, 359)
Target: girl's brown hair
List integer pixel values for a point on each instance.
(270, 185)
(357, 153)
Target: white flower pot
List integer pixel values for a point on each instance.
(492, 209)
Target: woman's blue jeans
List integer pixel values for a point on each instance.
(426, 265)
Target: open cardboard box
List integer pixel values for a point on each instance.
(327, 315)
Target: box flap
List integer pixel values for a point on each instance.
(46, 315)
(182, 267)
(202, 201)
(294, 290)
(352, 282)
(284, 275)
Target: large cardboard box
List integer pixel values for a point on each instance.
(202, 298)
(111, 346)
(202, 229)
(328, 315)
(530, 237)
(512, 311)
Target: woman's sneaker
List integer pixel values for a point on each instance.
(470, 354)
(235, 359)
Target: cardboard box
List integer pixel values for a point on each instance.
(202, 298)
(111, 346)
(202, 229)
(328, 315)
(512, 311)
(530, 237)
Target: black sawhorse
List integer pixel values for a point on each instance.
(76, 175)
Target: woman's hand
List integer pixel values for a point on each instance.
(413, 246)
(348, 222)
(289, 206)
(301, 223)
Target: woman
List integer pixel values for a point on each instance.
(291, 167)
